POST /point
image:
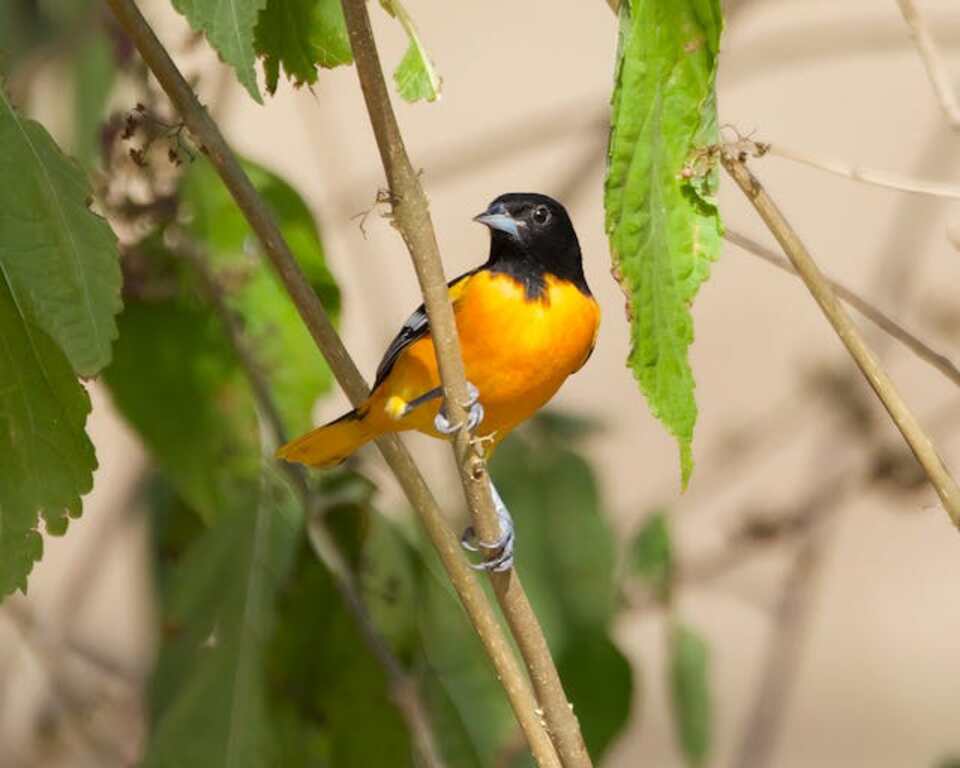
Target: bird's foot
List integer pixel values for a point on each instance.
(503, 546)
(474, 414)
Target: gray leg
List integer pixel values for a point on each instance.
(504, 545)
(474, 414)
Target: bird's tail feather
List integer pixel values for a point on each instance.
(331, 443)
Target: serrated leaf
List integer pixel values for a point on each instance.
(229, 27)
(60, 259)
(301, 35)
(285, 349)
(663, 225)
(650, 554)
(175, 378)
(46, 459)
(210, 694)
(415, 77)
(690, 693)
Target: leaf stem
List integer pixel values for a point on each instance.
(411, 216)
(918, 440)
(261, 220)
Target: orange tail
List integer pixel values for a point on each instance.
(332, 443)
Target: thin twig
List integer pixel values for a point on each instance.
(873, 313)
(933, 61)
(261, 220)
(411, 216)
(878, 178)
(919, 442)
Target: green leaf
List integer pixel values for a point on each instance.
(229, 26)
(599, 683)
(285, 350)
(661, 217)
(209, 693)
(47, 460)
(322, 675)
(567, 546)
(174, 377)
(60, 260)
(415, 77)
(566, 555)
(690, 693)
(412, 605)
(650, 554)
(301, 35)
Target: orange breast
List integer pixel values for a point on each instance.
(517, 352)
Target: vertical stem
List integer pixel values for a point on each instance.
(411, 216)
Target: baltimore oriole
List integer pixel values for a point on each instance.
(526, 320)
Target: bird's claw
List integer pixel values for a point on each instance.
(504, 545)
(474, 414)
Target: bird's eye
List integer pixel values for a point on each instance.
(541, 214)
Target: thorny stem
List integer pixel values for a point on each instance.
(919, 442)
(403, 687)
(411, 216)
(275, 247)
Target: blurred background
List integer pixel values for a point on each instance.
(808, 552)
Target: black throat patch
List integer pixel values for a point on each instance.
(531, 276)
(530, 268)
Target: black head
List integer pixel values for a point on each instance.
(531, 236)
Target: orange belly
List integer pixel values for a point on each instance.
(516, 352)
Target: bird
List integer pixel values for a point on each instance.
(526, 320)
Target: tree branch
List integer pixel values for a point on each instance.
(933, 61)
(403, 687)
(314, 316)
(919, 442)
(411, 217)
(873, 313)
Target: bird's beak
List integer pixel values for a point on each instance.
(497, 217)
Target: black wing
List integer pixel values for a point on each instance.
(416, 327)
